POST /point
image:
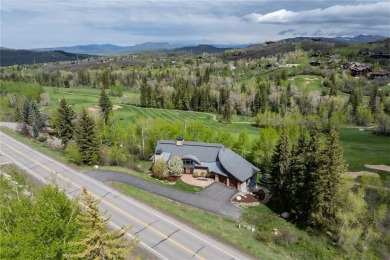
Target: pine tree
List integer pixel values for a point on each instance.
(96, 243)
(327, 182)
(280, 178)
(105, 105)
(64, 122)
(300, 179)
(86, 138)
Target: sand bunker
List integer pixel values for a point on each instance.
(96, 108)
(379, 167)
(354, 175)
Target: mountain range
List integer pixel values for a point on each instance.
(11, 56)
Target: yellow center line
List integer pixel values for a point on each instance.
(113, 206)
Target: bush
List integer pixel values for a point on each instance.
(42, 139)
(175, 166)
(73, 153)
(265, 236)
(160, 169)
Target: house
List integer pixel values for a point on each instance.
(210, 160)
(360, 69)
(379, 74)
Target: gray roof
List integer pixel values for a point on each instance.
(216, 157)
(205, 152)
(237, 166)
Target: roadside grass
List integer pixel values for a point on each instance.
(206, 222)
(290, 243)
(179, 185)
(35, 144)
(363, 147)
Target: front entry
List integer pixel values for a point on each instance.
(187, 170)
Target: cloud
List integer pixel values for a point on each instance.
(361, 14)
(283, 32)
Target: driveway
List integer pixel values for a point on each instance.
(215, 198)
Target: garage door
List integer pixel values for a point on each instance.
(233, 183)
(223, 179)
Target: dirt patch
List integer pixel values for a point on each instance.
(354, 175)
(256, 196)
(292, 78)
(379, 167)
(115, 107)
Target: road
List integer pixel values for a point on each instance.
(160, 234)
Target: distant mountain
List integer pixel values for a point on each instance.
(110, 49)
(10, 57)
(349, 40)
(201, 48)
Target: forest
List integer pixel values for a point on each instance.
(304, 112)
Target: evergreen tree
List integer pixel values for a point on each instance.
(96, 242)
(86, 138)
(64, 121)
(373, 99)
(280, 178)
(300, 179)
(105, 105)
(327, 182)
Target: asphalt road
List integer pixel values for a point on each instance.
(160, 234)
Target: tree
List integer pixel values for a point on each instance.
(280, 170)
(96, 243)
(175, 166)
(242, 145)
(263, 147)
(64, 121)
(160, 169)
(326, 182)
(105, 105)
(86, 138)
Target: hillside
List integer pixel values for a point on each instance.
(110, 49)
(201, 48)
(9, 57)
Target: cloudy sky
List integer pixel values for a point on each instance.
(55, 23)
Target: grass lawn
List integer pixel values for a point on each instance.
(362, 147)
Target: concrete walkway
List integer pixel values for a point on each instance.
(215, 198)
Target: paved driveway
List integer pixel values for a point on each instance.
(215, 198)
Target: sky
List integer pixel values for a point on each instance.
(27, 24)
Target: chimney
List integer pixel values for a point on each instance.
(179, 141)
(158, 154)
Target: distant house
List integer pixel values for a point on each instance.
(360, 69)
(212, 160)
(379, 74)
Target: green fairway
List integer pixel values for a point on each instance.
(87, 97)
(307, 82)
(362, 147)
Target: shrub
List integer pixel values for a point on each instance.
(175, 166)
(160, 169)
(42, 139)
(73, 153)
